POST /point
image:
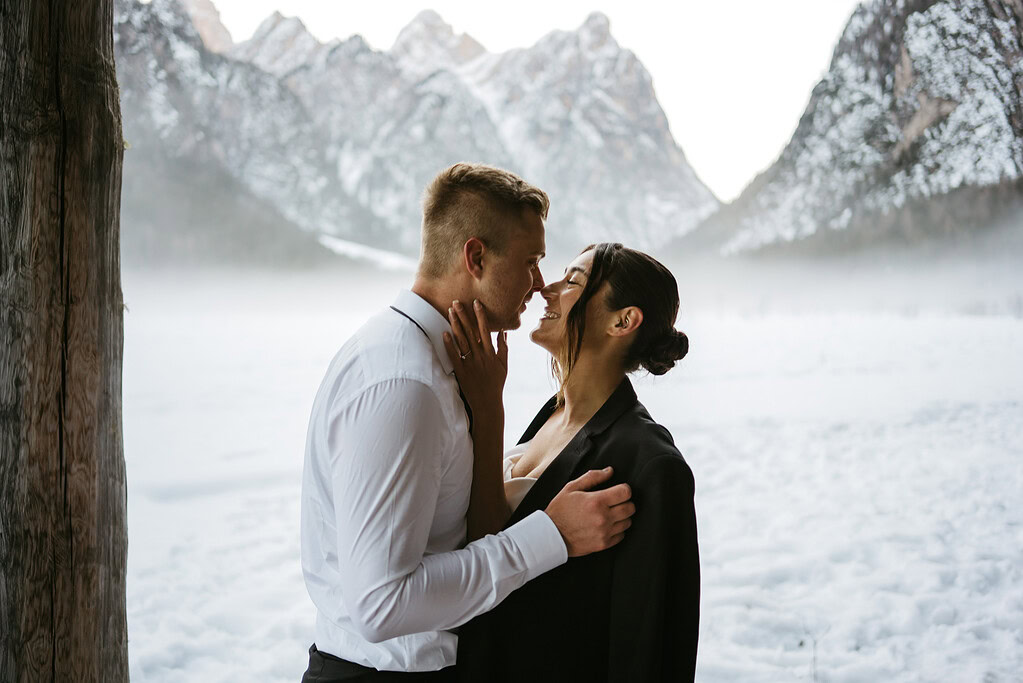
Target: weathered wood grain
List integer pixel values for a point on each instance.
(63, 534)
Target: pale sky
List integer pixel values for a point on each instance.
(733, 77)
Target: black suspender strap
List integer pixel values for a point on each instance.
(398, 310)
(468, 410)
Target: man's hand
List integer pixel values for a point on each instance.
(591, 521)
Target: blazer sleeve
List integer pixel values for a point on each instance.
(655, 592)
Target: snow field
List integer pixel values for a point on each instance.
(857, 476)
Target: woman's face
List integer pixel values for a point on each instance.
(560, 296)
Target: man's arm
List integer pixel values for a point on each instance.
(386, 468)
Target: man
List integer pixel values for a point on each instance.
(388, 466)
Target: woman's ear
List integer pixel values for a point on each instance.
(472, 256)
(626, 321)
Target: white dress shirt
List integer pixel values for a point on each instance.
(385, 490)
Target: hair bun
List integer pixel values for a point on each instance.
(665, 351)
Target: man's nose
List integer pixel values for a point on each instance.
(537, 281)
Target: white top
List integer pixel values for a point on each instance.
(515, 488)
(385, 489)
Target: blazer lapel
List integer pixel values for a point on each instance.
(539, 420)
(561, 470)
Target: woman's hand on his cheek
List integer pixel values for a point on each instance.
(480, 368)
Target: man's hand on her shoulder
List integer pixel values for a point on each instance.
(591, 521)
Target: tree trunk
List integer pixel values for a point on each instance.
(63, 535)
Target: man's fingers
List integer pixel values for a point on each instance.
(623, 511)
(616, 495)
(620, 527)
(615, 540)
(589, 480)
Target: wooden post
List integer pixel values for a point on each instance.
(63, 535)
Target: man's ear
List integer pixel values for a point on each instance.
(472, 256)
(625, 321)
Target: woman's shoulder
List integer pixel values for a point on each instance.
(644, 442)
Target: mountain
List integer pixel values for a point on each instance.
(428, 43)
(387, 132)
(582, 116)
(914, 133)
(340, 139)
(185, 106)
(206, 19)
(280, 44)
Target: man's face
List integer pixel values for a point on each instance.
(511, 277)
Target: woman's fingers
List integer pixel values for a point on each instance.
(473, 337)
(458, 332)
(502, 347)
(467, 328)
(453, 353)
(483, 325)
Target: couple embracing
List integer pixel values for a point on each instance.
(429, 552)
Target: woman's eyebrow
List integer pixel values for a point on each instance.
(575, 269)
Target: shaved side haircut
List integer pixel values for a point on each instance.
(472, 200)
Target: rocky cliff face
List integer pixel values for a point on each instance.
(429, 43)
(182, 102)
(206, 19)
(280, 45)
(386, 130)
(581, 114)
(341, 139)
(916, 131)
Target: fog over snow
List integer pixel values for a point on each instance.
(857, 461)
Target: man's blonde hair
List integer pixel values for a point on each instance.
(472, 200)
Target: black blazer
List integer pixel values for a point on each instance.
(628, 614)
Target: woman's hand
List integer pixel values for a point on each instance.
(481, 369)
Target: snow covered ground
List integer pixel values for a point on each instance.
(858, 481)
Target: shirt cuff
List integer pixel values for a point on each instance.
(540, 542)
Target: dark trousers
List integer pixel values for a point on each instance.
(326, 668)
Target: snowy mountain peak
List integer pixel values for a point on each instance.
(206, 18)
(341, 138)
(429, 43)
(596, 30)
(915, 132)
(430, 20)
(280, 45)
(280, 26)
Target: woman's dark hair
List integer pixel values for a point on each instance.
(634, 279)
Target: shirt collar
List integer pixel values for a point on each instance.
(430, 319)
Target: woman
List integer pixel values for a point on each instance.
(630, 613)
